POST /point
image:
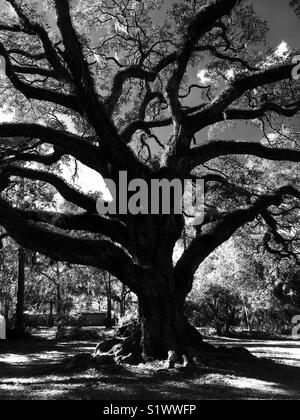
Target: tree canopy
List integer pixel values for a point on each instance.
(113, 86)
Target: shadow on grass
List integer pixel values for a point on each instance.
(31, 370)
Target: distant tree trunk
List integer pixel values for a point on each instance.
(51, 317)
(6, 295)
(219, 328)
(123, 301)
(6, 308)
(248, 322)
(58, 303)
(20, 320)
(59, 314)
(227, 328)
(109, 302)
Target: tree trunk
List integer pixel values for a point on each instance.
(58, 304)
(162, 331)
(165, 329)
(219, 328)
(20, 320)
(51, 317)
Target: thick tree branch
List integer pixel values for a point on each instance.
(252, 114)
(33, 92)
(61, 247)
(202, 23)
(113, 229)
(134, 72)
(226, 57)
(47, 160)
(216, 149)
(119, 81)
(71, 144)
(66, 191)
(73, 53)
(33, 28)
(116, 151)
(286, 245)
(38, 71)
(217, 110)
(26, 54)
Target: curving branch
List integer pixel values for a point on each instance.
(215, 149)
(286, 245)
(135, 72)
(217, 110)
(116, 151)
(47, 160)
(66, 191)
(33, 92)
(36, 71)
(220, 231)
(287, 111)
(202, 23)
(72, 144)
(120, 79)
(33, 28)
(226, 57)
(26, 54)
(113, 229)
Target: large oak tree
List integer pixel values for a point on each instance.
(111, 85)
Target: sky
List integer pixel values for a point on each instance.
(283, 22)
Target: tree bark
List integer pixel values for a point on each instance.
(59, 304)
(51, 317)
(165, 329)
(109, 301)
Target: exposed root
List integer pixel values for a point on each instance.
(172, 359)
(191, 358)
(128, 350)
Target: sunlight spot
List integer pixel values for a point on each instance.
(86, 179)
(230, 74)
(252, 384)
(273, 136)
(14, 359)
(282, 50)
(204, 77)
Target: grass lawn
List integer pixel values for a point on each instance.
(31, 370)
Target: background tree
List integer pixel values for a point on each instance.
(112, 86)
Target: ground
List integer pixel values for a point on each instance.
(31, 370)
